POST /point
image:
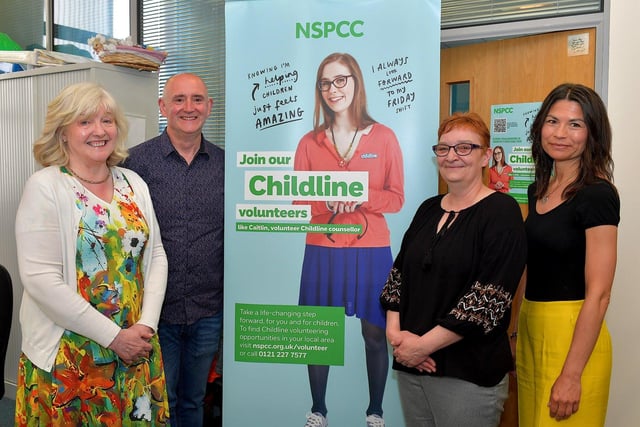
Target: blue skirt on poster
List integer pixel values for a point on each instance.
(352, 278)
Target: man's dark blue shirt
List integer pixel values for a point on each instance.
(189, 203)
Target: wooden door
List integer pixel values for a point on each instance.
(522, 69)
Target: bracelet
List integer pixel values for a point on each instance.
(513, 335)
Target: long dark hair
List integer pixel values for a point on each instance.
(596, 161)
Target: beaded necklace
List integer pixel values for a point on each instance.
(343, 157)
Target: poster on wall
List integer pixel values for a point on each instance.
(331, 110)
(512, 168)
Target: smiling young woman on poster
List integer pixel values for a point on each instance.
(349, 270)
(500, 173)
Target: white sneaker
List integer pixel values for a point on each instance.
(374, 420)
(316, 419)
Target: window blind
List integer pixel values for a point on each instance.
(466, 13)
(193, 34)
(74, 24)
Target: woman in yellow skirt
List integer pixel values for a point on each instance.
(563, 355)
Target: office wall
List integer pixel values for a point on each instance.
(624, 89)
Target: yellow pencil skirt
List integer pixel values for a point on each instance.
(545, 331)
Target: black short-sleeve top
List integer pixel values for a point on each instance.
(557, 241)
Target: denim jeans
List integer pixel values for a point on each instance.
(188, 351)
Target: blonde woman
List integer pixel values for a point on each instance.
(94, 275)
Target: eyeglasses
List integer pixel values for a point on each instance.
(339, 82)
(464, 149)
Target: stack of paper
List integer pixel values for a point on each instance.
(40, 57)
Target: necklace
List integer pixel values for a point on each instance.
(88, 181)
(545, 198)
(343, 157)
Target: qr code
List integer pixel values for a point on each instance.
(499, 125)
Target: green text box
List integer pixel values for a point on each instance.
(308, 335)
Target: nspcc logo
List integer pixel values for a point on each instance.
(503, 110)
(318, 30)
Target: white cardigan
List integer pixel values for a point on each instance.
(46, 231)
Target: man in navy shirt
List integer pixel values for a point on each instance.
(185, 174)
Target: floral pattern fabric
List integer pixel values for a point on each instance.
(89, 384)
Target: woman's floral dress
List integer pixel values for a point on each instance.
(89, 384)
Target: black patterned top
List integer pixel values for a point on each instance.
(464, 280)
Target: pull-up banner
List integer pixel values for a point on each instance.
(331, 110)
